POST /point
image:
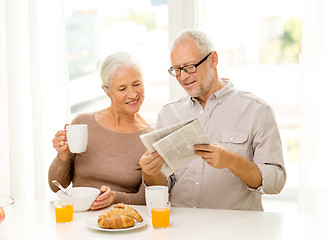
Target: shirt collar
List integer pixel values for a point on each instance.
(225, 91)
(221, 94)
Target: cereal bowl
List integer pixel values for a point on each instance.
(6, 205)
(82, 197)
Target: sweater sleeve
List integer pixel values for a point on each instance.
(62, 171)
(137, 198)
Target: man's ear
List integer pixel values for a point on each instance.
(214, 59)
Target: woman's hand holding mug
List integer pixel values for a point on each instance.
(60, 144)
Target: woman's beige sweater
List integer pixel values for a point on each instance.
(111, 159)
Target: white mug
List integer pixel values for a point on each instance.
(155, 196)
(77, 137)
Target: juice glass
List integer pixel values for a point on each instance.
(160, 216)
(64, 210)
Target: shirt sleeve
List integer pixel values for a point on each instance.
(268, 154)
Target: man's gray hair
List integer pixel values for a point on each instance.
(111, 64)
(201, 39)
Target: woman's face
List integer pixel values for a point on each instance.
(126, 90)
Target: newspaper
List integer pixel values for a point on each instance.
(175, 143)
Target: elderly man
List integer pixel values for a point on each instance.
(245, 158)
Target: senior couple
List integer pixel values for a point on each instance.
(243, 161)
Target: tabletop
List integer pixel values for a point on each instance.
(36, 220)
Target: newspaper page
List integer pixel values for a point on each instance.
(175, 143)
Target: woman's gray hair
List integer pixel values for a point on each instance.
(111, 64)
(200, 38)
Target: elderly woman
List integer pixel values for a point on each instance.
(110, 162)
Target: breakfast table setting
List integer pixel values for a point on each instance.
(68, 216)
(36, 219)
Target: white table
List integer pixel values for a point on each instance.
(36, 220)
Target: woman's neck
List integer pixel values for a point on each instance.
(119, 122)
(119, 119)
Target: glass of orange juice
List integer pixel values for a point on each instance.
(64, 210)
(160, 216)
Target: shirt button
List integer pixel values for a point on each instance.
(219, 101)
(201, 111)
(196, 183)
(231, 139)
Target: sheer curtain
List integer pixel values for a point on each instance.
(33, 93)
(313, 158)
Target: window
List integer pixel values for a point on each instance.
(96, 29)
(259, 45)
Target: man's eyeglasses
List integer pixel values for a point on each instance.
(190, 68)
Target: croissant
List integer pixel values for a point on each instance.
(116, 222)
(108, 214)
(126, 210)
(120, 216)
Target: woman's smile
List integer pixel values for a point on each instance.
(133, 102)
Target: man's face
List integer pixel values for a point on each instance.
(196, 84)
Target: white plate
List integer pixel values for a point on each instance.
(93, 223)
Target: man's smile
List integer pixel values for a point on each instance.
(188, 84)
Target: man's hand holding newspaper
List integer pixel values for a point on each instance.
(175, 143)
